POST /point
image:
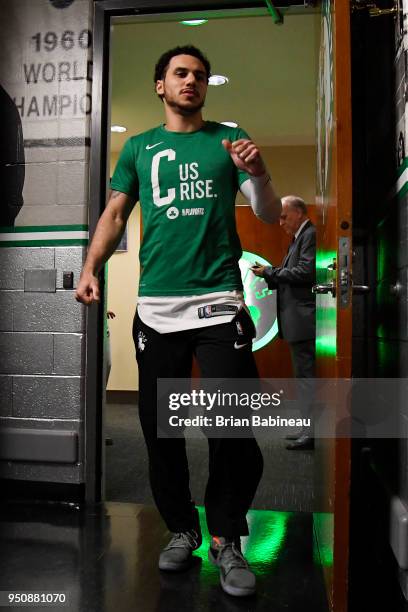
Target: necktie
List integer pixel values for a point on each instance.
(291, 243)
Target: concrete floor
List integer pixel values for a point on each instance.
(104, 558)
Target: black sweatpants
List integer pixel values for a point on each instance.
(235, 464)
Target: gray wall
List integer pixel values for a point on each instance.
(46, 70)
(392, 230)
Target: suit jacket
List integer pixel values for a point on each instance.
(296, 304)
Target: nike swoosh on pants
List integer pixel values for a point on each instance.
(238, 346)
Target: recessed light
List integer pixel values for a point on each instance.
(118, 128)
(194, 22)
(230, 123)
(217, 79)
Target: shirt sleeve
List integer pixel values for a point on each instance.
(125, 177)
(260, 193)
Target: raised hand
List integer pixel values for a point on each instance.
(246, 156)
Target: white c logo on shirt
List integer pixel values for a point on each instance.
(171, 193)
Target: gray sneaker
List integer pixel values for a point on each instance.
(235, 576)
(177, 554)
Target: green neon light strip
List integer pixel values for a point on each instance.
(404, 190)
(400, 188)
(381, 257)
(274, 12)
(262, 547)
(402, 167)
(324, 525)
(386, 354)
(325, 259)
(194, 22)
(40, 243)
(268, 531)
(44, 235)
(43, 228)
(326, 345)
(326, 337)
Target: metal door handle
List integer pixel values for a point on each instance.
(329, 288)
(396, 289)
(358, 289)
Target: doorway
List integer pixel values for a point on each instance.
(288, 143)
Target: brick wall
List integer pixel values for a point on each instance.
(46, 74)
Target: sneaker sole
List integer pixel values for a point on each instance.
(174, 567)
(230, 590)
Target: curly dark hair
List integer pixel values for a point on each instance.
(163, 63)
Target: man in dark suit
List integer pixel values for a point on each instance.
(296, 304)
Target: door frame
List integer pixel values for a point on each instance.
(105, 13)
(336, 453)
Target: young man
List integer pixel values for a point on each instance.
(186, 174)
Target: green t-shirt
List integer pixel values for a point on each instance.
(186, 184)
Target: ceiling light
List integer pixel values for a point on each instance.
(194, 22)
(118, 128)
(230, 123)
(217, 79)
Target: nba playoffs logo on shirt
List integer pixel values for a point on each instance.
(172, 213)
(260, 300)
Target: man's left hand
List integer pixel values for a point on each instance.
(246, 156)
